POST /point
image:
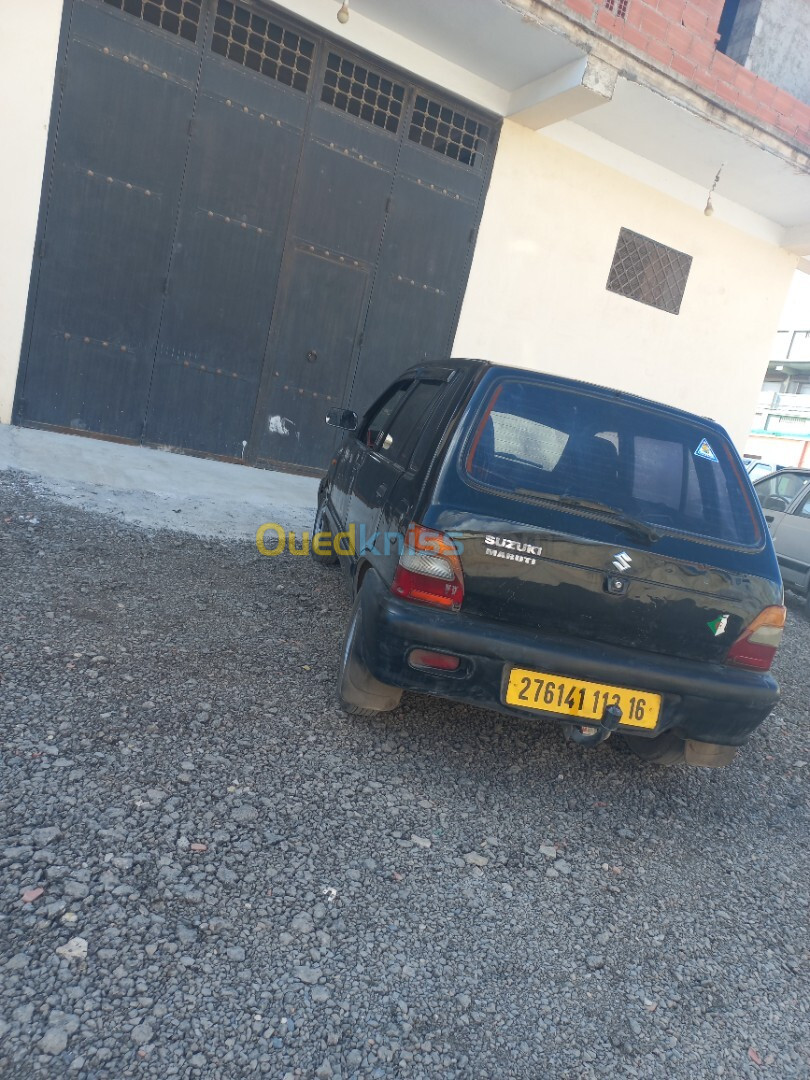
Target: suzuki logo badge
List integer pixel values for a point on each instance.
(622, 561)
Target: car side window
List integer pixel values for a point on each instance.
(788, 485)
(803, 509)
(765, 489)
(376, 421)
(406, 425)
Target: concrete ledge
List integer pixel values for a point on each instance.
(573, 89)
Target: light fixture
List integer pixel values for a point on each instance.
(343, 13)
(708, 210)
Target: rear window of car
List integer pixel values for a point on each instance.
(532, 440)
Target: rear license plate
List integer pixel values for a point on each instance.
(584, 700)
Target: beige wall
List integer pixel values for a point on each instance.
(779, 450)
(537, 295)
(28, 47)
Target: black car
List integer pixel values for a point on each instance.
(535, 545)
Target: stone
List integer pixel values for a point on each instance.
(76, 890)
(43, 837)
(142, 1034)
(308, 975)
(472, 858)
(302, 923)
(75, 949)
(53, 1041)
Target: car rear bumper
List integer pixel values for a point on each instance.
(703, 702)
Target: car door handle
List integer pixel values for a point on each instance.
(769, 517)
(381, 490)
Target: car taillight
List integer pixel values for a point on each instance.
(436, 661)
(757, 644)
(429, 569)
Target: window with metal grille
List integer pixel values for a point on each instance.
(262, 45)
(618, 7)
(447, 131)
(180, 17)
(649, 272)
(357, 90)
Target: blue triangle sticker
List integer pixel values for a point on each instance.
(705, 451)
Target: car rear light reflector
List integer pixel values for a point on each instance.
(429, 569)
(439, 661)
(756, 646)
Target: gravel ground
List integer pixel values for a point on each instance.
(206, 870)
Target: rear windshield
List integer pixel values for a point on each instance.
(532, 440)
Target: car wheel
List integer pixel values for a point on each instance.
(665, 749)
(360, 694)
(322, 526)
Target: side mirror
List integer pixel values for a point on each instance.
(342, 418)
(777, 502)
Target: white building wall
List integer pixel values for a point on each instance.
(537, 295)
(27, 67)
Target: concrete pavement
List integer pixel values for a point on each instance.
(156, 488)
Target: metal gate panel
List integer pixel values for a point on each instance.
(246, 142)
(106, 244)
(323, 300)
(338, 215)
(245, 223)
(427, 246)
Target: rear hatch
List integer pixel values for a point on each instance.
(589, 514)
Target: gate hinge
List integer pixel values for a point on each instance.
(473, 234)
(191, 126)
(42, 246)
(389, 202)
(165, 285)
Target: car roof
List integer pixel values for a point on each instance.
(488, 366)
(784, 471)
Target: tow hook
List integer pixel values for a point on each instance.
(593, 734)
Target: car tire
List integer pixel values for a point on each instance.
(665, 749)
(321, 526)
(359, 693)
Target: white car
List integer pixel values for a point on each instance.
(785, 498)
(756, 469)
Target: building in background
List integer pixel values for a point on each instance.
(780, 431)
(771, 39)
(225, 217)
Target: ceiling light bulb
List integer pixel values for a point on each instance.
(343, 13)
(709, 209)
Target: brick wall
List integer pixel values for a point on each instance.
(680, 36)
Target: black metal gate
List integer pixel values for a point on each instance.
(244, 224)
